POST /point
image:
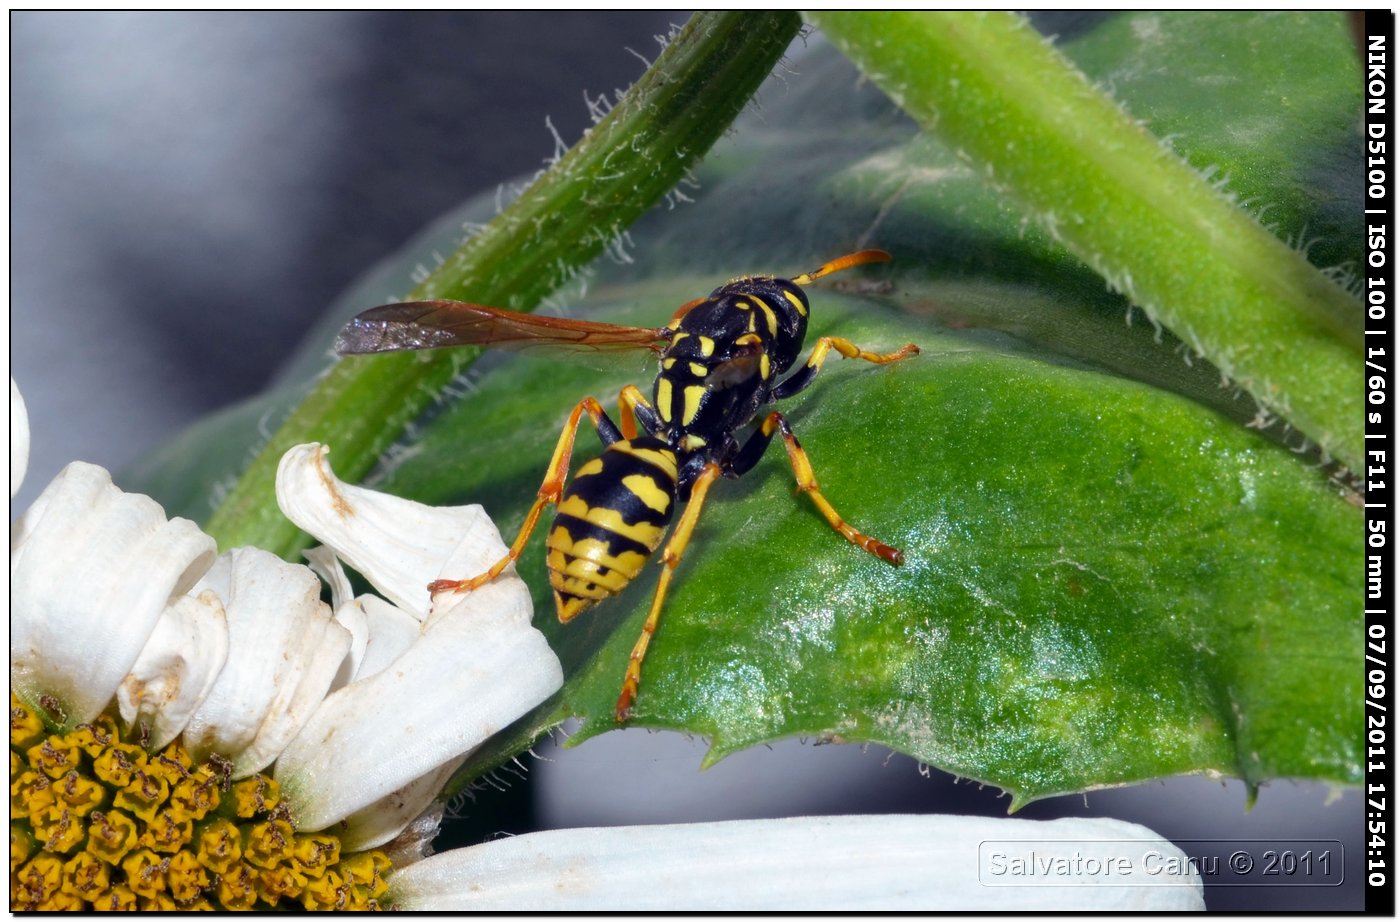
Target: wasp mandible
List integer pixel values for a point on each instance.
(721, 360)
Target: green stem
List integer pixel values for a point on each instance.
(660, 128)
(1004, 98)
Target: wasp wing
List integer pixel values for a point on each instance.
(740, 367)
(435, 324)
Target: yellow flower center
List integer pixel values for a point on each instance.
(98, 823)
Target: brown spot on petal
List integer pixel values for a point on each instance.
(338, 503)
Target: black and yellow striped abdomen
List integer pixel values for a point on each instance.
(611, 519)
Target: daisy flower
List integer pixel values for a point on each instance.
(198, 731)
(191, 730)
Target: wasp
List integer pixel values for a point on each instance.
(722, 360)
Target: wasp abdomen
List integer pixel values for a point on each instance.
(611, 519)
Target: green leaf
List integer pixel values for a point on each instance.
(1110, 576)
(991, 87)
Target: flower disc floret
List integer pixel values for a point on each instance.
(99, 823)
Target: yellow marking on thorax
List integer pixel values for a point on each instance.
(693, 442)
(707, 346)
(698, 370)
(753, 324)
(648, 491)
(663, 398)
(796, 302)
(668, 364)
(765, 367)
(693, 396)
(772, 318)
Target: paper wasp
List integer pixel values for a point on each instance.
(721, 357)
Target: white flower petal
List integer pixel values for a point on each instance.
(391, 632)
(396, 544)
(280, 636)
(349, 613)
(327, 566)
(386, 818)
(176, 669)
(91, 571)
(479, 549)
(19, 439)
(325, 644)
(351, 616)
(851, 863)
(472, 672)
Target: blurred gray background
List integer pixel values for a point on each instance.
(190, 190)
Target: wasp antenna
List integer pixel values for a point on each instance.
(844, 262)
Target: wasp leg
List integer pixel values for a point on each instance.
(633, 407)
(848, 349)
(670, 558)
(549, 493)
(807, 483)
